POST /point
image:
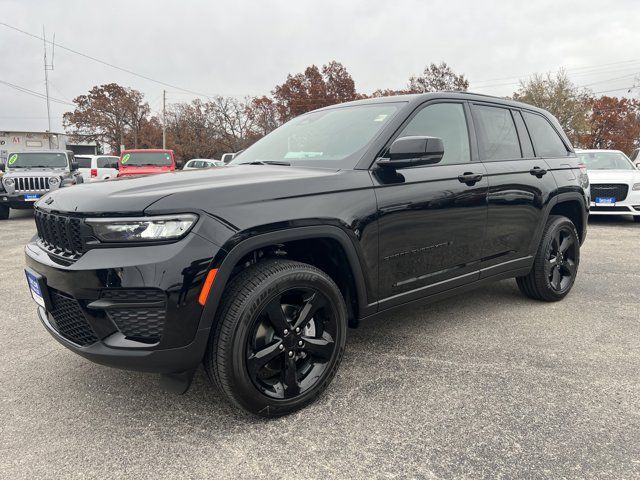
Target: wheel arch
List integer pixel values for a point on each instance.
(237, 252)
(571, 205)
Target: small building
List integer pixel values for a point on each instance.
(14, 140)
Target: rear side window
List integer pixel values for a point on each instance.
(546, 140)
(448, 122)
(83, 162)
(497, 135)
(525, 139)
(107, 162)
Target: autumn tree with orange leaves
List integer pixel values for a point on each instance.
(613, 123)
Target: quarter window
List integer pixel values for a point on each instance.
(546, 140)
(497, 136)
(446, 121)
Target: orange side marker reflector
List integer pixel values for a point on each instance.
(206, 288)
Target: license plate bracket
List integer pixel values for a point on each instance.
(38, 288)
(605, 200)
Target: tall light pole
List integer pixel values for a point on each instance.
(48, 67)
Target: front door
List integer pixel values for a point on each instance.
(431, 218)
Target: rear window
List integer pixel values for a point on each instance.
(497, 135)
(140, 159)
(84, 162)
(546, 140)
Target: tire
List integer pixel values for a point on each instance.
(260, 305)
(4, 212)
(555, 265)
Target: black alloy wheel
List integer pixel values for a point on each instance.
(561, 261)
(279, 337)
(291, 342)
(555, 265)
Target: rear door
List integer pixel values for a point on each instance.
(107, 167)
(431, 223)
(519, 188)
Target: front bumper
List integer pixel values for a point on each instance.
(134, 307)
(17, 201)
(630, 206)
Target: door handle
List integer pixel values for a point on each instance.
(538, 172)
(470, 178)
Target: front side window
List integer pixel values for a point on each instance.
(546, 140)
(37, 160)
(497, 135)
(605, 161)
(446, 121)
(336, 137)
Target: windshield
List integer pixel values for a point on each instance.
(605, 161)
(40, 159)
(139, 159)
(323, 138)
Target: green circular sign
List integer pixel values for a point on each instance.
(13, 159)
(125, 159)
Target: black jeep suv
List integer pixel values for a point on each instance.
(257, 268)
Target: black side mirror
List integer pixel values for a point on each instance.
(2, 167)
(74, 165)
(408, 152)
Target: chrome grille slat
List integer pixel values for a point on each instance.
(31, 184)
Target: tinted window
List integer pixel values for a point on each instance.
(497, 136)
(525, 139)
(107, 162)
(84, 162)
(446, 121)
(546, 140)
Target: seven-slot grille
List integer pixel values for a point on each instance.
(31, 184)
(607, 190)
(60, 234)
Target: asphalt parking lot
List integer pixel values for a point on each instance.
(487, 385)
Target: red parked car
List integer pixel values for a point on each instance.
(145, 162)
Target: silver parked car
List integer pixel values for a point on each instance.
(30, 175)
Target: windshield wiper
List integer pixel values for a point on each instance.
(266, 162)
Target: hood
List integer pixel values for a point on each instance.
(614, 176)
(145, 170)
(192, 189)
(35, 172)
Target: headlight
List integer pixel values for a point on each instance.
(636, 186)
(144, 229)
(8, 182)
(54, 182)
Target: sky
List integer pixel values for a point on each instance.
(242, 48)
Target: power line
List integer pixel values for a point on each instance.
(35, 94)
(131, 72)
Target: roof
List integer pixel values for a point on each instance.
(148, 150)
(418, 98)
(39, 151)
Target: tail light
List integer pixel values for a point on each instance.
(94, 172)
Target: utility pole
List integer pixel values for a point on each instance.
(164, 119)
(47, 67)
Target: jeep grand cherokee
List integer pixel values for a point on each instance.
(341, 214)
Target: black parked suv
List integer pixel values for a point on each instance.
(256, 269)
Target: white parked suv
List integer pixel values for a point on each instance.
(198, 163)
(615, 183)
(97, 167)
